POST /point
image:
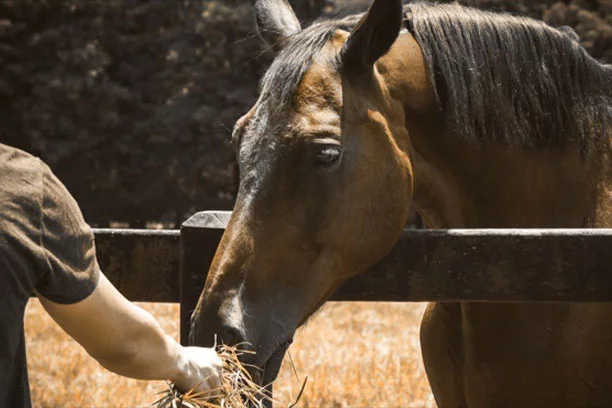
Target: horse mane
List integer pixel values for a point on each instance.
(512, 80)
(496, 77)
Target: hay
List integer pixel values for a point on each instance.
(237, 387)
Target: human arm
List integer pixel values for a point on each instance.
(120, 335)
(127, 340)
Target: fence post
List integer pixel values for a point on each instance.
(200, 236)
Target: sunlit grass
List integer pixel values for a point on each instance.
(354, 354)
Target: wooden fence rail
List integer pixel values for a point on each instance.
(425, 265)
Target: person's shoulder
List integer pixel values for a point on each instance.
(17, 166)
(13, 153)
(21, 185)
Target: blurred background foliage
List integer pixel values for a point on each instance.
(132, 102)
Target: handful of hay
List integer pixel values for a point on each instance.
(237, 388)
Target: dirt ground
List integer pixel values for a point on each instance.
(354, 354)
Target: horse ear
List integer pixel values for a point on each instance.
(373, 35)
(276, 21)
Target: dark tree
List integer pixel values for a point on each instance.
(132, 102)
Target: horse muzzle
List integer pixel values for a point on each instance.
(268, 365)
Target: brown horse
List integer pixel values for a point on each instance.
(478, 120)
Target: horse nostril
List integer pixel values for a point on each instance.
(230, 335)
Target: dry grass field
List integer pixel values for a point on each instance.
(355, 355)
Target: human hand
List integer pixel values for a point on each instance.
(201, 371)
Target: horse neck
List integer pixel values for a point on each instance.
(458, 184)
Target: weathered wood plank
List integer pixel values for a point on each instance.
(475, 265)
(425, 265)
(198, 246)
(142, 264)
(490, 265)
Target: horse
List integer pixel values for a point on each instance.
(478, 120)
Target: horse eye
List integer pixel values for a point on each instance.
(327, 156)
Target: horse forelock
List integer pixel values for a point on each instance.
(287, 70)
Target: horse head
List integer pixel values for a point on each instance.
(325, 177)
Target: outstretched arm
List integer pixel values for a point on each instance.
(120, 335)
(127, 340)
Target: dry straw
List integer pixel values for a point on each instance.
(238, 390)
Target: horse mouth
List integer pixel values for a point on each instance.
(269, 371)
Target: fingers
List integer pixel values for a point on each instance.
(210, 388)
(205, 371)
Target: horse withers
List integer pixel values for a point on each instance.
(478, 120)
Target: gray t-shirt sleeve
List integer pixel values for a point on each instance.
(67, 243)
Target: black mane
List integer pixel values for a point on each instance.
(497, 77)
(511, 79)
